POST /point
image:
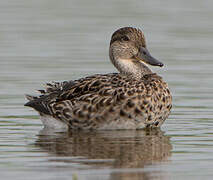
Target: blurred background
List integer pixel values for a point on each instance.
(51, 40)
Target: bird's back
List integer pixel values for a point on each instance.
(110, 101)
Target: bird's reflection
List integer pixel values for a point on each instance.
(113, 149)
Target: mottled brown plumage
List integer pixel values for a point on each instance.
(135, 98)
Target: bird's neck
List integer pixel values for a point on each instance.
(130, 67)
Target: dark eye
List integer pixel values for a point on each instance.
(124, 38)
(144, 52)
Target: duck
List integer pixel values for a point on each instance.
(133, 98)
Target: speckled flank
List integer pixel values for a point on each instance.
(109, 101)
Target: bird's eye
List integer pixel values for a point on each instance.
(124, 38)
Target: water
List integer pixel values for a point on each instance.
(45, 40)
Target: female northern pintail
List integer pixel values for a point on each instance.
(134, 98)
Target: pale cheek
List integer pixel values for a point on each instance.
(128, 52)
(124, 51)
(134, 51)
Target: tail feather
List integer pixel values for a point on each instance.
(50, 94)
(38, 104)
(29, 97)
(41, 91)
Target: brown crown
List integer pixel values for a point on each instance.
(129, 33)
